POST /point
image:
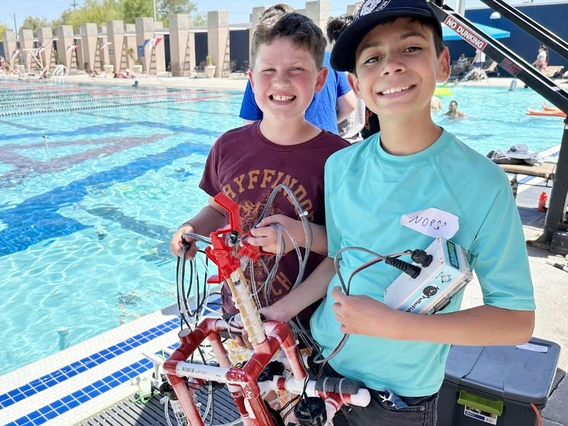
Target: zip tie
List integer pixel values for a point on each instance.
(304, 213)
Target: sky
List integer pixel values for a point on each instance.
(239, 10)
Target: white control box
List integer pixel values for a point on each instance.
(432, 290)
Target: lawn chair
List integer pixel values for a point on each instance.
(565, 75)
(492, 69)
(554, 71)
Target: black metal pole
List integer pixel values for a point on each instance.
(556, 216)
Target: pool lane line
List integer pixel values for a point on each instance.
(79, 108)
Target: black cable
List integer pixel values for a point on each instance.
(391, 260)
(180, 282)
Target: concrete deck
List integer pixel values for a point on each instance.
(237, 81)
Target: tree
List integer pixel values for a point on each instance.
(62, 20)
(33, 23)
(167, 7)
(100, 11)
(92, 11)
(132, 9)
(199, 19)
(3, 28)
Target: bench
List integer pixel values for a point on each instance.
(545, 170)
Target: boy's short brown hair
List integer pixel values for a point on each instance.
(302, 32)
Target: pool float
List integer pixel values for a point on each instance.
(548, 113)
(443, 91)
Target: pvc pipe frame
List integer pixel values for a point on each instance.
(242, 382)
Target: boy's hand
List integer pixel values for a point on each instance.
(365, 315)
(176, 244)
(266, 236)
(272, 313)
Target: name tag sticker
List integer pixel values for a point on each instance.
(432, 222)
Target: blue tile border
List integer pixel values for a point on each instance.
(69, 371)
(68, 402)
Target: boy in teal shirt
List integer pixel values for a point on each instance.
(394, 53)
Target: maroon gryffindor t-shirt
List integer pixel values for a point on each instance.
(246, 166)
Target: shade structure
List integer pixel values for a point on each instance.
(451, 35)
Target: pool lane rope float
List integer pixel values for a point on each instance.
(127, 94)
(114, 105)
(94, 98)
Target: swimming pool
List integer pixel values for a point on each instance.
(90, 196)
(497, 119)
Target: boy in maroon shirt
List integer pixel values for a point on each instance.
(247, 163)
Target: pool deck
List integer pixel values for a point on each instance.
(237, 81)
(74, 384)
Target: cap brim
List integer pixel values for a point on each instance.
(343, 53)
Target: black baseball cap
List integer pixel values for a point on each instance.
(371, 14)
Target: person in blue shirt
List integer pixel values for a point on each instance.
(333, 104)
(374, 193)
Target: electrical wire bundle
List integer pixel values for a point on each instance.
(418, 256)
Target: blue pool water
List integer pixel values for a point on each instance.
(90, 196)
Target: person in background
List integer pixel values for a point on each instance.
(479, 59)
(372, 124)
(331, 105)
(436, 104)
(374, 192)
(541, 62)
(453, 110)
(461, 66)
(350, 128)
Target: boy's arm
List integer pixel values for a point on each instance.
(480, 326)
(309, 291)
(209, 219)
(345, 105)
(266, 236)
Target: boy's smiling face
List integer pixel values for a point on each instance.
(284, 79)
(397, 69)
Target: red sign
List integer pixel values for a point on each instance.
(465, 33)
